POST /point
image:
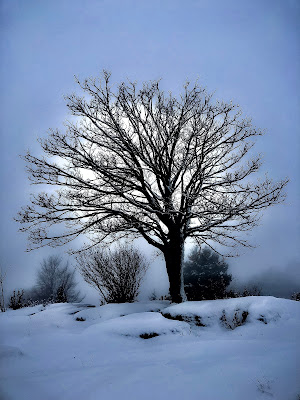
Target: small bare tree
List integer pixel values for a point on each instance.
(55, 282)
(141, 162)
(116, 274)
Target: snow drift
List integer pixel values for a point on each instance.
(224, 349)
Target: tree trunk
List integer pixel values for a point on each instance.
(173, 254)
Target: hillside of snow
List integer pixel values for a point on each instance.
(246, 348)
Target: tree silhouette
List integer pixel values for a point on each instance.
(206, 275)
(55, 282)
(140, 162)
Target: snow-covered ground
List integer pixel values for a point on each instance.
(246, 348)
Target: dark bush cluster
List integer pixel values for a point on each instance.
(20, 299)
(193, 319)
(247, 291)
(17, 300)
(55, 283)
(239, 319)
(296, 296)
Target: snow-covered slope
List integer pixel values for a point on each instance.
(246, 348)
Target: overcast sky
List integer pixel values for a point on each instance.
(245, 51)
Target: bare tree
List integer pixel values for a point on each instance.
(55, 282)
(140, 162)
(2, 298)
(117, 275)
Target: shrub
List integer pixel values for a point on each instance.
(296, 296)
(117, 274)
(247, 291)
(191, 319)
(17, 300)
(239, 319)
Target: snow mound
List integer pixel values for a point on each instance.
(232, 313)
(47, 354)
(110, 311)
(145, 325)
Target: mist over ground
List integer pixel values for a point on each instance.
(275, 281)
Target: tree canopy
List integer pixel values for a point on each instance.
(142, 162)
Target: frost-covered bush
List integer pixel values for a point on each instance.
(116, 274)
(229, 313)
(239, 318)
(191, 319)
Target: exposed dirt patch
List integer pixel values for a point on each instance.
(148, 335)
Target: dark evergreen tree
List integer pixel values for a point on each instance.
(206, 275)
